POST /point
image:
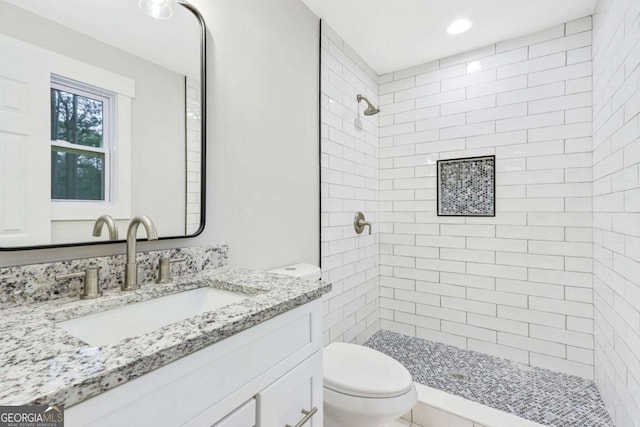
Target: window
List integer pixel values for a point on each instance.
(81, 145)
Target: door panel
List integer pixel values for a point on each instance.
(25, 167)
(283, 402)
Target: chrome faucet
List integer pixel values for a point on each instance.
(131, 269)
(111, 226)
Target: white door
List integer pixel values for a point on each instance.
(25, 152)
(295, 399)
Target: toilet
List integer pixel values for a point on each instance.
(362, 387)
(301, 271)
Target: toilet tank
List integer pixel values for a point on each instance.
(302, 271)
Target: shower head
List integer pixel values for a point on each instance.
(371, 109)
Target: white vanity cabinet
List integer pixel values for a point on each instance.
(265, 376)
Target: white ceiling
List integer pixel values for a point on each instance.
(172, 43)
(391, 35)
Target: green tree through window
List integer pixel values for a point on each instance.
(78, 152)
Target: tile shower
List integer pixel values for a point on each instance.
(518, 285)
(549, 282)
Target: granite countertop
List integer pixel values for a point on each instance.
(43, 364)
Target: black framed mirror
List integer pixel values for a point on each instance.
(102, 112)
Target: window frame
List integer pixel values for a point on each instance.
(124, 90)
(109, 138)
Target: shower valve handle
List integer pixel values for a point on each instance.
(359, 223)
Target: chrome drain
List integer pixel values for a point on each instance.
(459, 376)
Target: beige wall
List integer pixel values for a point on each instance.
(263, 137)
(263, 131)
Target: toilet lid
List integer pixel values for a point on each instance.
(363, 372)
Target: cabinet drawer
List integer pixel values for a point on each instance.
(244, 416)
(289, 400)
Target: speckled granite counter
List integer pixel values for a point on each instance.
(26, 284)
(41, 363)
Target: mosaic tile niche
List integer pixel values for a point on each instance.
(466, 187)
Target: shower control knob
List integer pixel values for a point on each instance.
(359, 223)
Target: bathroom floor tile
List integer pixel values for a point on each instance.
(540, 395)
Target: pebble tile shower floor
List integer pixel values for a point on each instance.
(539, 395)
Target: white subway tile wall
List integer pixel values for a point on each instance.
(522, 285)
(194, 154)
(519, 285)
(616, 205)
(349, 168)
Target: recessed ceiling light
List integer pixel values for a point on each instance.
(459, 26)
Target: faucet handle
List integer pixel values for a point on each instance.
(164, 268)
(359, 223)
(90, 276)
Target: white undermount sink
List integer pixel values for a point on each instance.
(112, 326)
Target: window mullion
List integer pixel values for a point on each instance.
(76, 147)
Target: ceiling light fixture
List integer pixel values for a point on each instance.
(158, 9)
(458, 27)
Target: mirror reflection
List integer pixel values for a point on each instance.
(100, 114)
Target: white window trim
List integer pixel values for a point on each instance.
(123, 90)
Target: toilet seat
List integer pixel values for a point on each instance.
(358, 371)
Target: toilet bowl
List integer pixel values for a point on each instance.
(364, 388)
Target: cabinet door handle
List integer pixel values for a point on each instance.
(307, 417)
